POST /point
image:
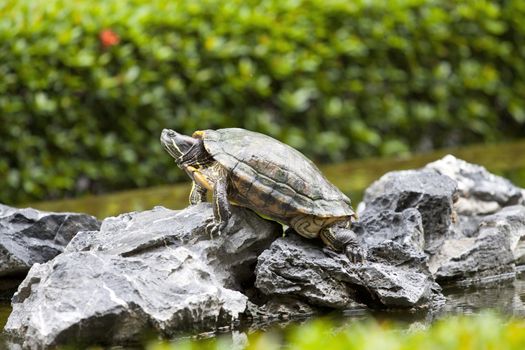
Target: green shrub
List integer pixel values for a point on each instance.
(485, 331)
(334, 78)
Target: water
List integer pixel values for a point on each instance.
(352, 178)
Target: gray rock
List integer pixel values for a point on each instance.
(232, 255)
(295, 267)
(394, 238)
(480, 192)
(155, 269)
(29, 236)
(494, 250)
(463, 241)
(405, 227)
(509, 222)
(111, 299)
(432, 194)
(489, 228)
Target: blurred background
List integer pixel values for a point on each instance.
(86, 87)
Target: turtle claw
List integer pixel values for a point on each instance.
(355, 253)
(214, 228)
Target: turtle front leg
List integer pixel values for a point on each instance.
(221, 207)
(197, 194)
(340, 237)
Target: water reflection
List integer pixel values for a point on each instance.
(506, 298)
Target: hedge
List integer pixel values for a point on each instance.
(483, 331)
(87, 86)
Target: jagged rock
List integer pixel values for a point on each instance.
(89, 297)
(480, 192)
(496, 247)
(485, 245)
(298, 268)
(156, 269)
(232, 254)
(463, 241)
(295, 267)
(394, 238)
(29, 236)
(510, 222)
(432, 194)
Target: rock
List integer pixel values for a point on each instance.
(232, 255)
(432, 194)
(286, 308)
(496, 246)
(154, 269)
(473, 221)
(396, 274)
(394, 238)
(92, 297)
(509, 222)
(29, 236)
(489, 227)
(297, 268)
(480, 192)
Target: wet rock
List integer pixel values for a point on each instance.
(298, 268)
(279, 309)
(89, 297)
(472, 219)
(490, 224)
(394, 238)
(495, 248)
(29, 236)
(480, 192)
(232, 255)
(154, 269)
(509, 222)
(431, 193)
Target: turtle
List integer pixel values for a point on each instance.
(256, 171)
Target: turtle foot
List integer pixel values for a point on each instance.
(355, 253)
(213, 228)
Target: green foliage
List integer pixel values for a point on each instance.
(485, 331)
(334, 78)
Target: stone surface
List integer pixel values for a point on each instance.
(394, 238)
(156, 269)
(473, 221)
(232, 255)
(29, 236)
(295, 267)
(432, 194)
(493, 249)
(480, 192)
(489, 226)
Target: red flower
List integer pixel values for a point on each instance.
(108, 38)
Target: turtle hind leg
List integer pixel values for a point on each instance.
(340, 237)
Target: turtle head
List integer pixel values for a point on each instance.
(177, 145)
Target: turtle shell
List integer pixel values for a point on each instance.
(273, 178)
